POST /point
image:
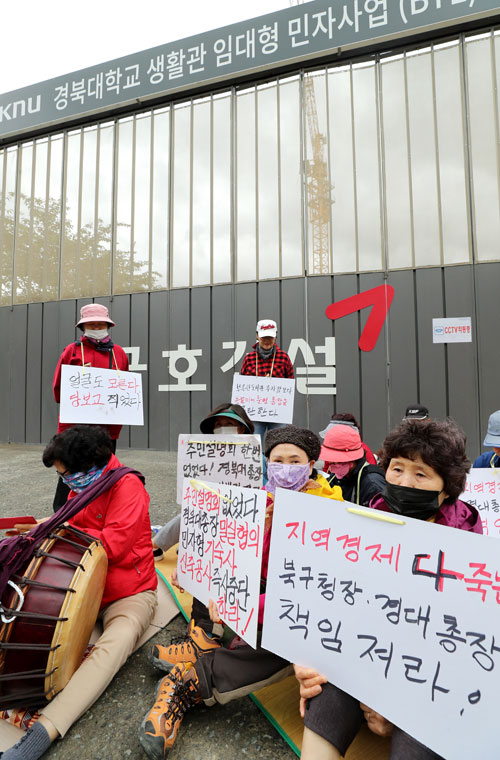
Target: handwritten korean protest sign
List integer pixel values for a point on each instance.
(232, 459)
(220, 550)
(266, 399)
(482, 491)
(106, 396)
(403, 617)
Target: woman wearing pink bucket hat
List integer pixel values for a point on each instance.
(346, 465)
(95, 349)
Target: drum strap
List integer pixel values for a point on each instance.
(15, 551)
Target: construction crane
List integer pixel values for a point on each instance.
(317, 182)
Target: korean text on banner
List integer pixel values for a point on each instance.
(404, 617)
(231, 459)
(220, 550)
(266, 399)
(482, 490)
(100, 396)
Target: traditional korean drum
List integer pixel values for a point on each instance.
(48, 612)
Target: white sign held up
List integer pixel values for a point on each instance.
(232, 459)
(100, 396)
(402, 615)
(265, 399)
(482, 490)
(452, 330)
(220, 550)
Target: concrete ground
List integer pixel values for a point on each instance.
(109, 730)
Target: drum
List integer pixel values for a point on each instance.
(49, 611)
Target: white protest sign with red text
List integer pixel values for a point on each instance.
(265, 399)
(91, 395)
(404, 617)
(232, 459)
(482, 491)
(220, 550)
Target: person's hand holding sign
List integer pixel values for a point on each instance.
(213, 611)
(310, 684)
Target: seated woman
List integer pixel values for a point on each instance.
(345, 461)
(119, 518)
(202, 634)
(222, 675)
(426, 467)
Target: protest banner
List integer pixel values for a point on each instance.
(100, 396)
(482, 491)
(400, 613)
(220, 550)
(265, 399)
(232, 459)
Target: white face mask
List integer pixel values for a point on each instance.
(226, 430)
(96, 334)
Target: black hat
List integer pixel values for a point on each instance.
(302, 437)
(416, 412)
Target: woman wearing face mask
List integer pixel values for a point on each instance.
(94, 349)
(119, 518)
(346, 465)
(217, 674)
(426, 467)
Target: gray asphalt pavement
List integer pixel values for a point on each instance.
(109, 730)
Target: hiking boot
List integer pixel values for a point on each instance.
(187, 648)
(176, 693)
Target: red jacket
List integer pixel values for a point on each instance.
(72, 354)
(120, 519)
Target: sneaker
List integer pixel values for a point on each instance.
(158, 554)
(187, 648)
(175, 694)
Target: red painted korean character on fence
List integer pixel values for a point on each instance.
(353, 554)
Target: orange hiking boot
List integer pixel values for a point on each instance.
(176, 693)
(188, 648)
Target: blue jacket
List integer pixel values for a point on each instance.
(488, 459)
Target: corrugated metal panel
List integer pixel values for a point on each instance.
(447, 378)
(346, 331)
(374, 389)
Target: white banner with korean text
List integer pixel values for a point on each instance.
(482, 490)
(231, 459)
(91, 395)
(220, 550)
(402, 615)
(265, 399)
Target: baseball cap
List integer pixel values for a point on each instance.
(416, 412)
(94, 312)
(342, 444)
(493, 434)
(266, 327)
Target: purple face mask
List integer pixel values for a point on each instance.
(340, 470)
(291, 476)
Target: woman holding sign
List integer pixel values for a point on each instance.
(425, 465)
(221, 675)
(95, 349)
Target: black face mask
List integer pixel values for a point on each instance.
(411, 502)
